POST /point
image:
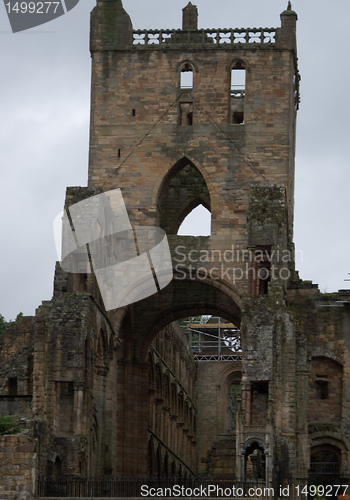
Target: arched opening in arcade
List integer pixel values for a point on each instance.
(325, 465)
(204, 350)
(188, 344)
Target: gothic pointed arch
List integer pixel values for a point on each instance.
(233, 393)
(186, 71)
(101, 348)
(182, 190)
(238, 91)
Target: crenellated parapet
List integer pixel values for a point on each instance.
(112, 30)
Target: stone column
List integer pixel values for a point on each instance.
(134, 419)
(78, 406)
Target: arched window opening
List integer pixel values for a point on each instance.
(238, 80)
(186, 77)
(324, 465)
(235, 396)
(101, 350)
(255, 461)
(183, 189)
(197, 223)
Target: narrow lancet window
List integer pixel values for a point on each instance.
(238, 77)
(186, 77)
(235, 395)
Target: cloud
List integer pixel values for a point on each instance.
(44, 100)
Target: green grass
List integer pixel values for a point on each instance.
(8, 425)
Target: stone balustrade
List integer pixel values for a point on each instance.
(205, 36)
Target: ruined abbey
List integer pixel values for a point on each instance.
(261, 389)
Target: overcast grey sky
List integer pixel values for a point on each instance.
(44, 133)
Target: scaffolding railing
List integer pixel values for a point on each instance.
(216, 340)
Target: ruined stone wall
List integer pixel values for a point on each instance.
(326, 388)
(172, 404)
(16, 358)
(322, 322)
(166, 168)
(119, 392)
(18, 467)
(73, 364)
(216, 439)
(147, 82)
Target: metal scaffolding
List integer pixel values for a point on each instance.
(214, 340)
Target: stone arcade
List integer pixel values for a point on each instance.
(181, 118)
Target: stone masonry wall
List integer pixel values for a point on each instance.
(216, 446)
(137, 142)
(104, 401)
(16, 350)
(172, 404)
(18, 467)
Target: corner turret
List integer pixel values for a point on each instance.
(288, 28)
(111, 27)
(190, 17)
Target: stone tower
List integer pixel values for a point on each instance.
(188, 117)
(182, 118)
